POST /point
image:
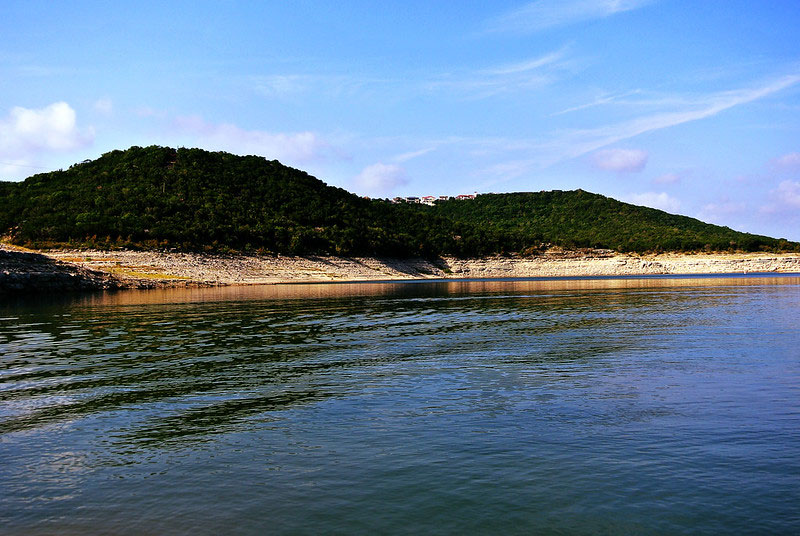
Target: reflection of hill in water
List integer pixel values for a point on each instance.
(425, 288)
(186, 364)
(319, 405)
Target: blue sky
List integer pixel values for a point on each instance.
(691, 107)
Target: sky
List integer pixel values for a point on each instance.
(692, 107)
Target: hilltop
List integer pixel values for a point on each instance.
(194, 200)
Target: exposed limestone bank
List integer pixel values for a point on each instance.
(171, 269)
(136, 269)
(619, 265)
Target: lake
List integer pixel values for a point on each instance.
(633, 406)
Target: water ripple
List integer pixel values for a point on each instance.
(515, 409)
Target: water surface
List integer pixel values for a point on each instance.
(648, 406)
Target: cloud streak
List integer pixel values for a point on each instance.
(544, 14)
(529, 65)
(569, 144)
(411, 155)
(701, 108)
(525, 75)
(605, 99)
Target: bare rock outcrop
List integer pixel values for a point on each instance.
(25, 271)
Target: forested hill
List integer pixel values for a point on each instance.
(577, 219)
(191, 199)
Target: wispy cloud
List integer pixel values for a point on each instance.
(104, 106)
(721, 210)
(564, 145)
(544, 14)
(782, 209)
(405, 157)
(528, 65)
(700, 108)
(473, 82)
(668, 178)
(604, 99)
(286, 85)
(525, 75)
(292, 147)
(789, 192)
(149, 111)
(659, 200)
(42, 71)
(280, 85)
(620, 160)
(786, 197)
(789, 162)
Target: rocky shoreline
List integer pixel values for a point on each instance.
(76, 270)
(22, 271)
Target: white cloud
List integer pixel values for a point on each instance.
(50, 128)
(620, 160)
(294, 147)
(543, 14)
(659, 200)
(722, 210)
(27, 134)
(381, 178)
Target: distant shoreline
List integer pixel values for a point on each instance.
(24, 270)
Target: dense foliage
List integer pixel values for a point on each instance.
(191, 199)
(579, 219)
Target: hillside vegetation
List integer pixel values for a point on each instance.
(191, 199)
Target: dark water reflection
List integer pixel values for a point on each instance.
(575, 406)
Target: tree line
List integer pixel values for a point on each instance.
(196, 200)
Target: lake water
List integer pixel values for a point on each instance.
(633, 406)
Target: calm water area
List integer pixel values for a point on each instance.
(616, 406)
